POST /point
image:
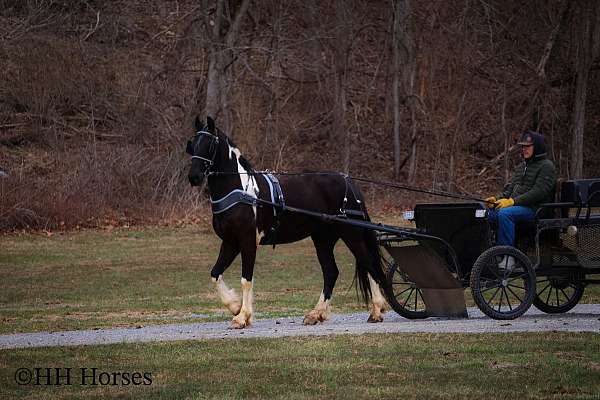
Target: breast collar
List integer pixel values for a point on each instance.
(238, 196)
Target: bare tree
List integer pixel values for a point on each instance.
(588, 17)
(551, 44)
(403, 81)
(222, 23)
(341, 51)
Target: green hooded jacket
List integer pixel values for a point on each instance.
(533, 182)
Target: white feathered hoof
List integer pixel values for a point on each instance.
(374, 318)
(240, 321)
(315, 316)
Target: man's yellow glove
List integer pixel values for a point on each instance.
(503, 203)
(490, 202)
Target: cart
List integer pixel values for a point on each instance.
(450, 249)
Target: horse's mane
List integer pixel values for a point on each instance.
(246, 164)
(243, 161)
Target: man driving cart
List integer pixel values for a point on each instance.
(532, 183)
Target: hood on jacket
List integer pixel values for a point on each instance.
(537, 139)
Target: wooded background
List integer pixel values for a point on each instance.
(97, 98)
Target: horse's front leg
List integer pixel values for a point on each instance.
(229, 298)
(324, 245)
(244, 318)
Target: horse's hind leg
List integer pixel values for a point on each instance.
(355, 242)
(230, 299)
(378, 303)
(324, 246)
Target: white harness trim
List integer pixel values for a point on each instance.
(205, 159)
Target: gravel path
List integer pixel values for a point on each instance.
(583, 318)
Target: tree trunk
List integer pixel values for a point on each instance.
(550, 44)
(341, 131)
(213, 84)
(506, 136)
(403, 79)
(396, 85)
(412, 171)
(222, 28)
(453, 144)
(588, 17)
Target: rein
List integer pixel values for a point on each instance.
(213, 149)
(408, 188)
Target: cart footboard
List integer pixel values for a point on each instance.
(433, 285)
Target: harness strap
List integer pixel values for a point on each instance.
(276, 191)
(234, 197)
(240, 196)
(360, 214)
(270, 183)
(210, 162)
(355, 214)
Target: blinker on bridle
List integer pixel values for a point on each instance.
(208, 163)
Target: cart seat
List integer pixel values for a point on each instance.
(572, 195)
(582, 191)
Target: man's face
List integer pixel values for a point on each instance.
(527, 151)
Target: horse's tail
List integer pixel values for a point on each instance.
(374, 267)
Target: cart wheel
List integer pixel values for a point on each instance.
(499, 291)
(557, 294)
(403, 295)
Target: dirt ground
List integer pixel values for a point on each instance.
(583, 318)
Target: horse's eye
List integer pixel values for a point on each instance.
(190, 148)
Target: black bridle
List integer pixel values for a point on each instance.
(212, 149)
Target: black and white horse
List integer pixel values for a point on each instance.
(243, 224)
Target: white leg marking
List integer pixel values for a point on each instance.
(320, 313)
(244, 318)
(228, 296)
(259, 236)
(378, 305)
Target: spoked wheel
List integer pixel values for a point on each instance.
(403, 295)
(558, 294)
(503, 288)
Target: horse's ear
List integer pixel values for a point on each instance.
(198, 124)
(210, 124)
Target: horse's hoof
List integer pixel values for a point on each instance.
(315, 316)
(238, 324)
(375, 319)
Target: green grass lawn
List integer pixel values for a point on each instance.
(132, 277)
(500, 366)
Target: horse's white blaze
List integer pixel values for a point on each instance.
(249, 184)
(228, 296)
(244, 318)
(378, 301)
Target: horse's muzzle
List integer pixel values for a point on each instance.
(195, 180)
